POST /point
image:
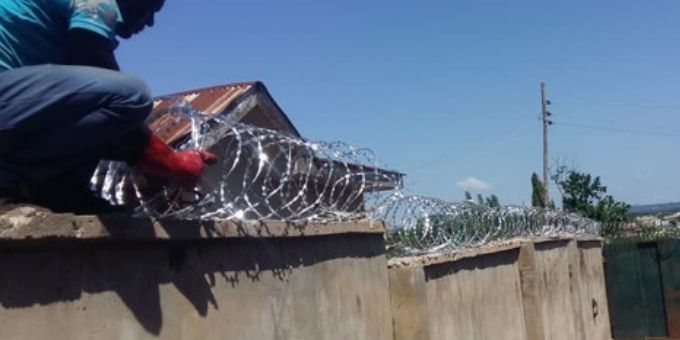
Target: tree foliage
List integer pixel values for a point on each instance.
(537, 189)
(490, 201)
(586, 195)
(493, 202)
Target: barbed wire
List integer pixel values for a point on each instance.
(426, 225)
(265, 174)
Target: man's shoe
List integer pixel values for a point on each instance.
(64, 194)
(77, 199)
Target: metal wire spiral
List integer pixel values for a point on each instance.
(264, 174)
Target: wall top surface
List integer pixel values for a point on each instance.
(28, 224)
(491, 248)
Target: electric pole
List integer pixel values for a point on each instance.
(546, 122)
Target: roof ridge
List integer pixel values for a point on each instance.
(243, 83)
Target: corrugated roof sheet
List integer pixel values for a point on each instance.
(210, 100)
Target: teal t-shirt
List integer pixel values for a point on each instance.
(34, 32)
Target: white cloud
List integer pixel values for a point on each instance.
(473, 184)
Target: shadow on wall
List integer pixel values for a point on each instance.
(479, 262)
(50, 273)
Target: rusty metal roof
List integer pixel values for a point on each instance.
(213, 100)
(222, 99)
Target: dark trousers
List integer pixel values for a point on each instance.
(55, 118)
(57, 121)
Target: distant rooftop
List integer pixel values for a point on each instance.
(247, 102)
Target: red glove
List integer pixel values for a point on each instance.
(183, 169)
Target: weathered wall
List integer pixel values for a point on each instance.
(84, 277)
(89, 278)
(592, 293)
(409, 303)
(554, 271)
(485, 294)
(571, 289)
(473, 294)
(524, 289)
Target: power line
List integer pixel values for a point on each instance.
(645, 106)
(613, 129)
(625, 105)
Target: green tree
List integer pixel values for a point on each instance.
(586, 195)
(610, 210)
(490, 201)
(537, 193)
(493, 202)
(537, 189)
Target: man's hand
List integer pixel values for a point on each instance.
(183, 169)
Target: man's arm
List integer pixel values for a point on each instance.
(88, 48)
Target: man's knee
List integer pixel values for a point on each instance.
(133, 97)
(132, 90)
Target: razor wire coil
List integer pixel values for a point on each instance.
(264, 174)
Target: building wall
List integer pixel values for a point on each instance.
(80, 277)
(594, 309)
(476, 298)
(523, 289)
(312, 282)
(554, 269)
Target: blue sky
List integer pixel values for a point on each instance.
(448, 90)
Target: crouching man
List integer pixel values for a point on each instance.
(64, 104)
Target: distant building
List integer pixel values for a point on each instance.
(250, 103)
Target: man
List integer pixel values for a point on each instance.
(64, 105)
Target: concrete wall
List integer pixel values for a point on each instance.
(522, 289)
(572, 285)
(80, 277)
(476, 298)
(87, 277)
(594, 308)
(555, 273)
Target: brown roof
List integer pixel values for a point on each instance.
(211, 101)
(223, 99)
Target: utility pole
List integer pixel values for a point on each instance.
(546, 122)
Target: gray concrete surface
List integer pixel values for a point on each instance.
(26, 224)
(476, 298)
(554, 270)
(470, 294)
(113, 277)
(409, 303)
(83, 277)
(572, 289)
(531, 289)
(531, 296)
(592, 296)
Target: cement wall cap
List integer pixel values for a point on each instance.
(590, 239)
(457, 255)
(579, 239)
(491, 248)
(31, 224)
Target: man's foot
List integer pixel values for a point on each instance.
(62, 195)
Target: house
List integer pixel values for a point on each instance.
(248, 103)
(295, 179)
